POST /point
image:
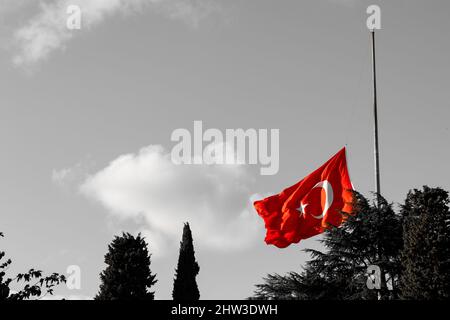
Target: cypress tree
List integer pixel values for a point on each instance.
(128, 275)
(425, 258)
(185, 286)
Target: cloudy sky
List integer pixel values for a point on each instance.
(86, 118)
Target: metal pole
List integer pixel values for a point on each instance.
(382, 291)
(375, 118)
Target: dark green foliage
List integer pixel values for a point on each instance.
(36, 285)
(128, 275)
(275, 286)
(372, 236)
(426, 254)
(185, 286)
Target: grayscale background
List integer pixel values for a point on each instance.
(86, 117)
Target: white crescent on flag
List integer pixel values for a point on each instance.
(326, 186)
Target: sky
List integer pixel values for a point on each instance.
(86, 118)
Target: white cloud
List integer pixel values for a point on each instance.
(62, 175)
(72, 176)
(215, 199)
(46, 31)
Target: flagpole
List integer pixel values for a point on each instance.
(375, 118)
(381, 295)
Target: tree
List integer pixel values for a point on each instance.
(184, 285)
(425, 258)
(128, 275)
(36, 285)
(370, 236)
(278, 287)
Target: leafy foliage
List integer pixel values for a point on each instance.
(426, 255)
(128, 275)
(36, 285)
(185, 286)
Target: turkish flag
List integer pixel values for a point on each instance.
(310, 206)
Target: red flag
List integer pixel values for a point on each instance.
(310, 206)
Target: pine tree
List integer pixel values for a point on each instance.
(426, 255)
(185, 286)
(278, 287)
(370, 236)
(128, 275)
